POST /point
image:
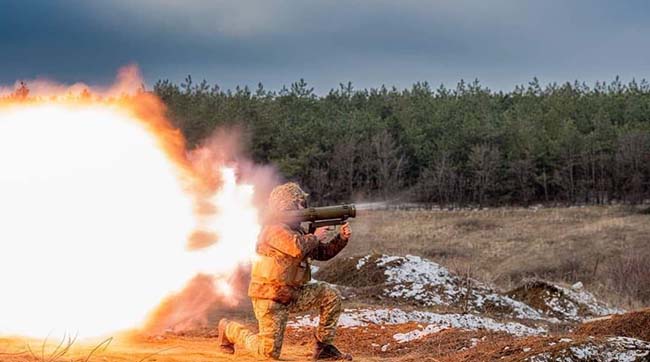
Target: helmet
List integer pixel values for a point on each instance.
(287, 197)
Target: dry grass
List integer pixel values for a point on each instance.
(604, 247)
(67, 349)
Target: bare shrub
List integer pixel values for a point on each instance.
(629, 277)
(444, 252)
(475, 224)
(567, 266)
(63, 348)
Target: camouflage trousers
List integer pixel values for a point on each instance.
(272, 319)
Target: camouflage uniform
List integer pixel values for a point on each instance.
(272, 318)
(280, 281)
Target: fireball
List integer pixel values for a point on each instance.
(97, 202)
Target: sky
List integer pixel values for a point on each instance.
(502, 43)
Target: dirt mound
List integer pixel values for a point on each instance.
(347, 272)
(572, 304)
(633, 324)
(415, 281)
(552, 349)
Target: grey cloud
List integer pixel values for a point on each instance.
(370, 42)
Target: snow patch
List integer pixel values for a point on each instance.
(363, 317)
(417, 334)
(362, 261)
(588, 301)
(565, 303)
(620, 349)
(412, 278)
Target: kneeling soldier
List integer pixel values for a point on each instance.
(280, 284)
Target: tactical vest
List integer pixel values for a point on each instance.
(281, 270)
(276, 275)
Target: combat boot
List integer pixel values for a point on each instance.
(225, 345)
(328, 352)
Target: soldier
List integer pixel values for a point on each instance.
(280, 283)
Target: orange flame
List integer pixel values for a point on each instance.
(105, 213)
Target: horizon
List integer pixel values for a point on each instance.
(589, 86)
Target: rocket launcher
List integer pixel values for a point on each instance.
(321, 216)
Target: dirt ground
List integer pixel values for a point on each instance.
(165, 349)
(451, 345)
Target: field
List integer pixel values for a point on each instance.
(606, 248)
(507, 284)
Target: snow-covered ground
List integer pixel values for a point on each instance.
(616, 349)
(364, 317)
(412, 278)
(584, 299)
(419, 281)
(571, 304)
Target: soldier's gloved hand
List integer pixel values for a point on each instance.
(345, 231)
(321, 234)
(309, 243)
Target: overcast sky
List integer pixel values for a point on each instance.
(368, 42)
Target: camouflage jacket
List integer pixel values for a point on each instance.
(282, 264)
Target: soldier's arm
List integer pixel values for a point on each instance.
(326, 251)
(290, 242)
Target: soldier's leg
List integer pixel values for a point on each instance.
(327, 300)
(239, 334)
(272, 320)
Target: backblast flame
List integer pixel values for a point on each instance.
(97, 200)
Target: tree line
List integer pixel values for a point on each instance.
(560, 143)
(568, 143)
